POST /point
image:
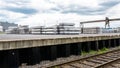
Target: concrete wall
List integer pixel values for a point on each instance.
(37, 42)
(30, 56)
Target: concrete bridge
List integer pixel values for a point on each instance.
(31, 49)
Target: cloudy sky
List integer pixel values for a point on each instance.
(51, 12)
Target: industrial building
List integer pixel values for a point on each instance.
(12, 30)
(1, 29)
(62, 28)
(98, 30)
(23, 29)
(6, 25)
(18, 30)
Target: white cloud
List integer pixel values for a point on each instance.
(47, 16)
(11, 16)
(41, 5)
(4, 3)
(114, 12)
(55, 18)
(82, 3)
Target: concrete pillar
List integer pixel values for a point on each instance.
(103, 43)
(96, 46)
(67, 50)
(53, 50)
(79, 50)
(44, 53)
(119, 41)
(115, 44)
(48, 52)
(112, 43)
(75, 49)
(109, 43)
(35, 55)
(25, 56)
(11, 59)
(63, 50)
(86, 46)
(1, 59)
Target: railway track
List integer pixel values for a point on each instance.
(96, 61)
(115, 64)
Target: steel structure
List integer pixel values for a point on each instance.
(107, 22)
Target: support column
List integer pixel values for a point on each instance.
(53, 50)
(115, 44)
(75, 49)
(94, 45)
(112, 43)
(36, 57)
(63, 50)
(67, 50)
(85, 46)
(109, 43)
(11, 59)
(119, 42)
(97, 45)
(106, 43)
(48, 52)
(103, 44)
(79, 50)
(88, 46)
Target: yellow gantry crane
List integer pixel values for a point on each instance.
(107, 22)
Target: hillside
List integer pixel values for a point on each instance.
(7, 24)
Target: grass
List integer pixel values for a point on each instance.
(2, 33)
(93, 52)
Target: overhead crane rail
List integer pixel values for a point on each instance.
(107, 22)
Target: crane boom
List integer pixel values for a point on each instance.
(107, 22)
(99, 21)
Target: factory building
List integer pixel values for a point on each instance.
(37, 30)
(67, 28)
(12, 30)
(118, 29)
(18, 30)
(44, 30)
(98, 30)
(62, 28)
(1, 28)
(93, 30)
(24, 29)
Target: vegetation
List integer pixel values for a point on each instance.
(93, 52)
(2, 33)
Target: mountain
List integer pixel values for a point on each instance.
(7, 24)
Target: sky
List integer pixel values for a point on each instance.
(52, 12)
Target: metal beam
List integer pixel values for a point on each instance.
(99, 21)
(107, 22)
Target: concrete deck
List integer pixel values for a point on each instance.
(8, 42)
